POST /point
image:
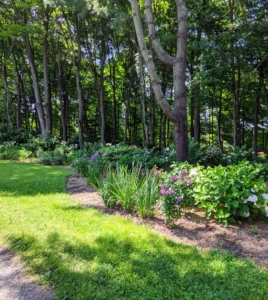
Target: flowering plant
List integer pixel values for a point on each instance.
(176, 192)
(232, 192)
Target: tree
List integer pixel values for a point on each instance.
(177, 63)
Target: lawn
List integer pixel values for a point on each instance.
(85, 254)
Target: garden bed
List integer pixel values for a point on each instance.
(244, 239)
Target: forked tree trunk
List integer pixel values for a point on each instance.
(178, 63)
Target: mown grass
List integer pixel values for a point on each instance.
(84, 254)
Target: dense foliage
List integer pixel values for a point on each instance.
(73, 67)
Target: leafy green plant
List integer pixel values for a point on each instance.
(94, 169)
(211, 156)
(8, 134)
(125, 186)
(105, 185)
(147, 195)
(231, 192)
(10, 150)
(176, 191)
(195, 152)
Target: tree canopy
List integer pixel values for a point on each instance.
(77, 69)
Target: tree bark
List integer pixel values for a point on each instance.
(37, 94)
(8, 94)
(61, 97)
(179, 115)
(47, 98)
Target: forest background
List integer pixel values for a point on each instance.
(74, 69)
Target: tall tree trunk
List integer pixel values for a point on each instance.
(4, 58)
(178, 63)
(81, 105)
(152, 116)
(256, 113)
(127, 104)
(19, 94)
(61, 97)
(235, 83)
(113, 83)
(47, 98)
(142, 102)
(37, 94)
(7, 92)
(101, 105)
(255, 128)
(77, 65)
(197, 117)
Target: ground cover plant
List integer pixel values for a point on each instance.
(84, 254)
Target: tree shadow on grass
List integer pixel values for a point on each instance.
(23, 179)
(117, 267)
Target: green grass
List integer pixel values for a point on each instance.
(84, 254)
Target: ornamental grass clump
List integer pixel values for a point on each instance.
(147, 195)
(124, 186)
(176, 191)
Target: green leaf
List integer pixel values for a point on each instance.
(235, 203)
(231, 220)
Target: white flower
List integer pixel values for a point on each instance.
(252, 198)
(193, 172)
(246, 215)
(167, 149)
(252, 190)
(265, 196)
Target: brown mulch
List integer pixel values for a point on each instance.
(245, 240)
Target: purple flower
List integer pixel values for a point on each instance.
(174, 178)
(185, 177)
(170, 192)
(177, 205)
(163, 192)
(89, 167)
(163, 186)
(180, 198)
(189, 182)
(93, 156)
(184, 172)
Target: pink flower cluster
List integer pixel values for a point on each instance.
(164, 190)
(167, 192)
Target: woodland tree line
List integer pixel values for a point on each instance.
(78, 69)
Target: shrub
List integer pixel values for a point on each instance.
(176, 191)
(195, 152)
(7, 134)
(212, 156)
(95, 169)
(10, 150)
(231, 192)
